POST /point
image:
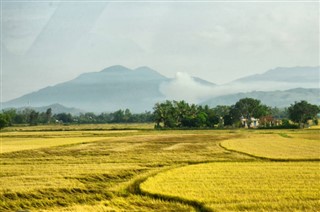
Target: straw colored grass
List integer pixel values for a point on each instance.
(99, 167)
(274, 146)
(254, 186)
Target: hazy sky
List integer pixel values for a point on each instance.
(45, 43)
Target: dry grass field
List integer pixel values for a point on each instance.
(284, 146)
(100, 168)
(256, 186)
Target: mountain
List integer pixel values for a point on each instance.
(111, 89)
(270, 98)
(295, 75)
(203, 82)
(56, 109)
(118, 87)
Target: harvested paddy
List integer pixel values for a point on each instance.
(100, 169)
(275, 146)
(254, 186)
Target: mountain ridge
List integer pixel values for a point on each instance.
(118, 87)
(284, 74)
(56, 109)
(107, 90)
(271, 98)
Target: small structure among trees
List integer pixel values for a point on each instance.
(247, 112)
(251, 123)
(269, 121)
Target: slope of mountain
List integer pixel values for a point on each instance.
(118, 87)
(108, 90)
(270, 98)
(289, 75)
(203, 82)
(56, 109)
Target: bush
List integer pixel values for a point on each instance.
(3, 121)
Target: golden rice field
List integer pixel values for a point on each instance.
(18, 141)
(255, 186)
(275, 146)
(106, 168)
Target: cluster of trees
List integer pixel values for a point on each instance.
(31, 117)
(27, 116)
(119, 116)
(302, 112)
(175, 114)
(180, 114)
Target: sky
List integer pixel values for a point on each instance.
(44, 43)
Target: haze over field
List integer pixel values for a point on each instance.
(46, 43)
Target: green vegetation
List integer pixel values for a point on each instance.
(248, 108)
(31, 117)
(174, 114)
(180, 114)
(302, 112)
(3, 121)
(101, 168)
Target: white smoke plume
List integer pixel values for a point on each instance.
(184, 87)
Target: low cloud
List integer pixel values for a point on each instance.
(185, 87)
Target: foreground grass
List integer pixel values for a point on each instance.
(254, 186)
(99, 168)
(87, 175)
(18, 141)
(82, 127)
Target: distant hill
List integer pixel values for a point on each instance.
(270, 98)
(56, 109)
(118, 87)
(289, 75)
(108, 90)
(203, 82)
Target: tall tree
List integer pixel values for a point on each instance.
(48, 115)
(165, 113)
(301, 112)
(248, 108)
(64, 117)
(3, 121)
(33, 118)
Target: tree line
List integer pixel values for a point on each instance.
(180, 114)
(31, 117)
(245, 112)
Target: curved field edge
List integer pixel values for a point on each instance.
(235, 186)
(276, 148)
(87, 173)
(134, 187)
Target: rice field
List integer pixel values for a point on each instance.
(278, 146)
(106, 168)
(255, 186)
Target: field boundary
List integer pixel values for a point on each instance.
(271, 159)
(134, 188)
